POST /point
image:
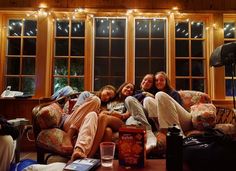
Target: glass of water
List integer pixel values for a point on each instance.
(107, 151)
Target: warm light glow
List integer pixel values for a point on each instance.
(175, 8)
(43, 5)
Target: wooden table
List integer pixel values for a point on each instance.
(150, 165)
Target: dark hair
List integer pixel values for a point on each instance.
(119, 96)
(168, 87)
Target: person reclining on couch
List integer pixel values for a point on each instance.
(83, 121)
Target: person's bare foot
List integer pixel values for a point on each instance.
(78, 154)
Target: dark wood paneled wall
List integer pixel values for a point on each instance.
(125, 4)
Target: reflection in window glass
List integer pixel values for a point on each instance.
(18, 67)
(190, 57)
(62, 28)
(181, 30)
(109, 52)
(229, 87)
(197, 30)
(229, 30)
(150, 47)
(69, 48)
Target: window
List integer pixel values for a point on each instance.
(190, 57)
(68, 66)
(229, 36)
(109, 52)
(150, 47)
(21, 55)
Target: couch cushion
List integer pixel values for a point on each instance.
(53, 140)
(191, 97)
(203, 116)
(49, 116)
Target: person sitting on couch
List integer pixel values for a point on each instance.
(83, 121)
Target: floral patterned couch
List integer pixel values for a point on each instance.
(49, 138)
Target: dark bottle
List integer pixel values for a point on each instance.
(174, 144)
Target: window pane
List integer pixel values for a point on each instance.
(118, 28)
(13, 66)
(158, 48)
(77, 47)
(28, 85)
(142, 66)
(102, 47)
(118, 67)
(181, 30)
(141, 48)
(102, 27)
(61, 66)
(197, 29)
(182, 84)
(77, 29)
(182, 67)
(30, 28)
(62, 47)
(158, 65)
(14, 27)
(198, 84)
(62, 28)
(28, 66)
(13, 46)
(141, 28)
(197, 48)
(158, 28)
(182, 48)
(77, 67)
(118, 48)
(77, 84)
(229, 87)
(102, 66)
(59, 83)
(29, 47)
(229, 30)
(197, 68)
(13, 82)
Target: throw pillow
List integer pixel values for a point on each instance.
(50, 116)
(203, 116)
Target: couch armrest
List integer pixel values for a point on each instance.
(225, 115)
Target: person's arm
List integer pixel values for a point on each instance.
(82, 98)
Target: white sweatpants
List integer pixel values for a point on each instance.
(168, 111)
(7, 149)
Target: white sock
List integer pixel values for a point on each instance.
(151, 140)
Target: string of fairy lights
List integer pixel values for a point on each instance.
(77, 13)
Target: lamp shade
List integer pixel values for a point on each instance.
(223, 55)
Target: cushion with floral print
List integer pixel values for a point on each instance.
(203, 116)
(55, 140)
(49, 116)
(191, 97)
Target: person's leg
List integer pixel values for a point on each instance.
(105, 121)
(86, 136)
(7, 148)
(75, 119)
(171, 112)
(138, 114)
(149, 104)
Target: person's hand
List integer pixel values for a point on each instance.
(147, 94)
